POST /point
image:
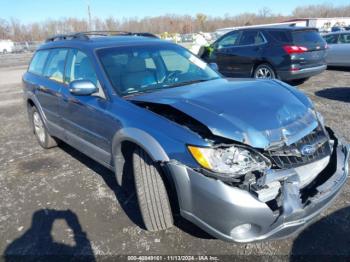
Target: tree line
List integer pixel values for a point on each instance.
(17, 31)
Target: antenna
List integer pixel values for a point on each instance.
(89, 13)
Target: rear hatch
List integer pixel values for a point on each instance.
(311, 48)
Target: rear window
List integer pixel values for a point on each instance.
(307, 37)
(38, 62)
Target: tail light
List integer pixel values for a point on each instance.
(294, 49)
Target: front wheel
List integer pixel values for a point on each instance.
(45, 140)
(151, 193)
(264, 71)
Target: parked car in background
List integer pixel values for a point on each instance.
(339, 48)
(187, 38)
(18, 48)
(245, 160)
(6, 46)
(283, 52)
(21, 47)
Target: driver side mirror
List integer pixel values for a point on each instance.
(82, 88)
(214, 66)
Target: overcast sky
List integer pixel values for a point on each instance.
(39, 10)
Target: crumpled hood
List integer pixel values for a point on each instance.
(258, 113)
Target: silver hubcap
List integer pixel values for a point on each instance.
(39, 127)
(264, 73)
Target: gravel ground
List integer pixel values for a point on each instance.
(61, 202)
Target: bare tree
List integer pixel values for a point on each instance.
(265, 12)
(5, 29)
(169, 23)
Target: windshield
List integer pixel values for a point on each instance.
(139, 69)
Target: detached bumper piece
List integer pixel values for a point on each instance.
(287, 203)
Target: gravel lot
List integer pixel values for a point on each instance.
(60, 201)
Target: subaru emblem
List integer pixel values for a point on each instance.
(308, 150)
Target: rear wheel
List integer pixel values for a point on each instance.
(45, 140)
(264, 71)
(151, 193)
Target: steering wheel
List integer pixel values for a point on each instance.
(172, 77)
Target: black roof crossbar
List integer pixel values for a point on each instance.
(88, 34)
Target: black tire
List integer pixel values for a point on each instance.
(151, 193)
(44, 139)
(266, 69)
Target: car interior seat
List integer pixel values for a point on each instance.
(137, 75)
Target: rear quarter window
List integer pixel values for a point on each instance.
(281, 36)
(38, 62)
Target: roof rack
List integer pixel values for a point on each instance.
(89, 34)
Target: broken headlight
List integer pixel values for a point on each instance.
(232, 160)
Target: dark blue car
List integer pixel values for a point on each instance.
(245, 160)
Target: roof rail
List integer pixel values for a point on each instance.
(88, 34)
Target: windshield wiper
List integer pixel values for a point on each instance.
(150, 90)
(188, 82)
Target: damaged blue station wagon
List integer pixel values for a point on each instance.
(245, 160)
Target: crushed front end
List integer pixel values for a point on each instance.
(286, 188)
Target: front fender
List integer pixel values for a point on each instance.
(140, 138)
(29, 96)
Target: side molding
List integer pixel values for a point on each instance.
(30, 96)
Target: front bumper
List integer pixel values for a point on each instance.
(302, 73)
(219, 208)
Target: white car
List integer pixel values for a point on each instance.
(6, 46)
(339, 48)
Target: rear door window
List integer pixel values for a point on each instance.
(251, 38)
(38, 62)
(55, 65)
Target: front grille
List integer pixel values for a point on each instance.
(290, 156)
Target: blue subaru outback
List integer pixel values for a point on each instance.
(244, 159)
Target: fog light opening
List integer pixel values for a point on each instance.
(241, 229)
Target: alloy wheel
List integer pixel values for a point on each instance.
(39, 127)
(264, 73)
